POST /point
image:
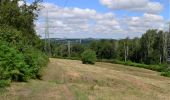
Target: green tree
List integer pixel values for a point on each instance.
(77, 50)
(20, 55)
(105, 49)
(20, 17)
(88, 57)
(147, 45)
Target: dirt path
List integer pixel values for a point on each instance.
(72, 80)
(69, 95)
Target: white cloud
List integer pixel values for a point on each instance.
(143, 23)
(77, 22)
(20, 3)
(133, 5)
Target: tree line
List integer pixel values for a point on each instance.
(150, 49)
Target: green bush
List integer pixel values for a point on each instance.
(167, 73)
(12, 65)
(10, 35)
(20, 66)
(4, 83)
(36, 60)
(88, 57)
(19, 61)
(163, 68)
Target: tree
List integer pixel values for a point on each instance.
(77, 50)
(147, 44)
(88, 57)
(134, 50)
(105, 49)
(20, 17)
(20, 54)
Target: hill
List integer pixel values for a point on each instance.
(71, 80)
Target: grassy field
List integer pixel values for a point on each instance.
(71, 80)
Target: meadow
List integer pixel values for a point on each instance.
(71, 80)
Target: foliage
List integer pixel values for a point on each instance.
(149, 51)
(88, 57)
(104, 49)
(160, 68)
(12, 64)
(20, 66)
(167, 73)
(10, 35)
(4, 83)
(77, 50)
(36, 60)
(20, 17)
(21, 56)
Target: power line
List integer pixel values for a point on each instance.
(47, 46)
(47, 36)
(46, 28)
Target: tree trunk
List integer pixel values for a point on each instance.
(125, 55)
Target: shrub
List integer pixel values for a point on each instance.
(12, 65)
(167, 73)
(163, 68)
(10, 35)
(36, 60)
(20, 66)
(88, 57)
(4, 83)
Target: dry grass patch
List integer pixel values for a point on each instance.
(72, 80)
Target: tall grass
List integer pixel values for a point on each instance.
(163, 68)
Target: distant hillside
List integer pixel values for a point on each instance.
(82, 41)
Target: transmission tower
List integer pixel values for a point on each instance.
(80, 41)
(47, 36)
(47, 46)
(69, 48)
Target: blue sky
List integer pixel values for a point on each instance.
(114, 19)
(95, 4)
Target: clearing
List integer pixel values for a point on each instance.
(71, 80)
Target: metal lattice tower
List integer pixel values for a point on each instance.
(69, 48)
(47, 36)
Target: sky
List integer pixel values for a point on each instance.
(114, 19)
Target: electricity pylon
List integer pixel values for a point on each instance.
(69, 48)
(47, 36)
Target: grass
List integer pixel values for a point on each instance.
(71, 80)
(159, 68)
(163, 68)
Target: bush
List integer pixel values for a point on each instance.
(4, 83)
(167, 73)
(36, 60)
(88, 57)
(10, 35)
(20, 66)
(12, 65)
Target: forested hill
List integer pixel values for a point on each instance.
(74, 40)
